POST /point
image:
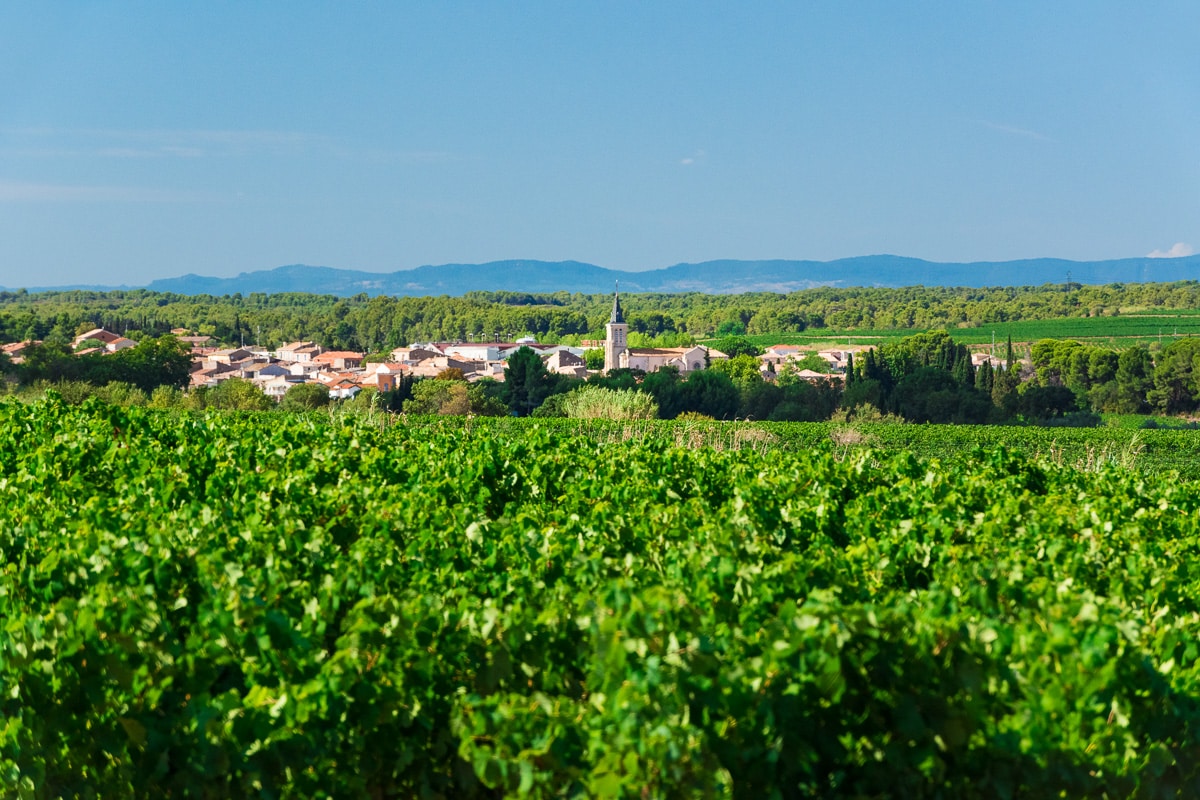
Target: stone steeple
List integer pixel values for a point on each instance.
(616, 334)
(616, 316)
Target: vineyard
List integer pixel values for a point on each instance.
(281, 606)
(1149, 451)
(1145, 328)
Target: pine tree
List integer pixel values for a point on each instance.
(985, 378)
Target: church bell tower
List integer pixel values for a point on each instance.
(615, 335)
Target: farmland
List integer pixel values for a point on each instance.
(1143, 327)
(333, 605)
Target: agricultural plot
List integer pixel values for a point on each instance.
(1145, 327)
(1150, 452)
(276, 606)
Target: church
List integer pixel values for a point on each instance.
(619, 355)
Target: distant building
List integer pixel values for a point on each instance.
(98, 335)
(619, 355)
(300, 352)
(564, 362)
(616, 336)
(339, 359)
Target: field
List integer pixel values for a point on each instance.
(339, 606)
(1126, 446)
(1142, 327)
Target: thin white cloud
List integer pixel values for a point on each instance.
(694, 158)
(18, 192)
(406, 157)
(160, 143)
(154, 143)
(1178, 250)
(1013, 130)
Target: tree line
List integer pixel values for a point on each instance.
(925, 378)
(377, 324)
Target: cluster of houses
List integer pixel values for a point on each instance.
(96, 340)
(836, 361)
(346, 374)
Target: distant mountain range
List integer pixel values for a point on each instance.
(713, 277)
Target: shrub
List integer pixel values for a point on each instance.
(595, 402)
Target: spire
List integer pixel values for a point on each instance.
(617, 317)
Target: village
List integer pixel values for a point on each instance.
(346, 373)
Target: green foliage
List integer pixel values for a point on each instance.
(1043, 402)
(456, 398)
(734, 346)
(122, 394)
(863, 392)
(377, 324)
(805, 401)
(618, 379)
(711, 393)
(225, 605)
(594, 358)
(369, 401)
(813, 362)
(166, 397)
(1177, 378)
(527, 382)
(924, 378)
(742, 369)
(234, 394)
(553, 407)
(666, 387)
(1134, 378)
(929, 394)
(731, 328)
(152, 363)
(305, 397)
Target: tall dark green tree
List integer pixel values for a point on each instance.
(1134, 379)
(1176, 388)
(527, 382)
(164, 361)
(666, 387)
(985, 378)
(711, 393)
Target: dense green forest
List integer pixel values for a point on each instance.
(372, 324)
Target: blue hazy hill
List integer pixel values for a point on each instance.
(716, 277)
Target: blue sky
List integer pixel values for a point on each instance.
(146, 140)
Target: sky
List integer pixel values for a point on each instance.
(149, 140)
